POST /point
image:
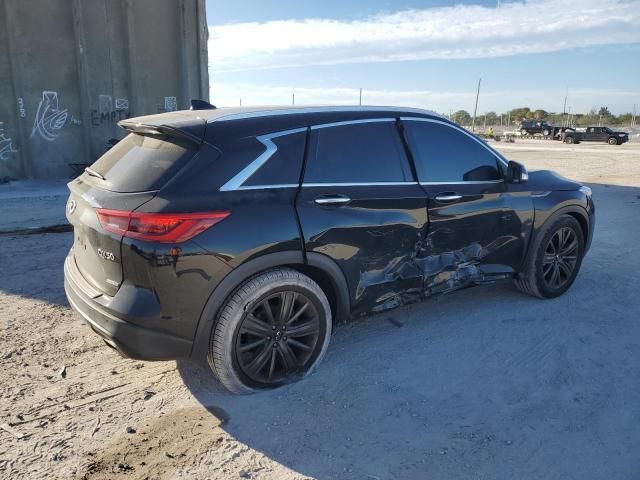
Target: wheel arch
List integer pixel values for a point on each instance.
(320, 268)
(576, 211)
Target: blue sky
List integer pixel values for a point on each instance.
(428, 54)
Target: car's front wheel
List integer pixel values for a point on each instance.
(274, 329)
(569, 140)
(612, 141)
(555, 260)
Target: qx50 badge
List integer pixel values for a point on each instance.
(106, 255)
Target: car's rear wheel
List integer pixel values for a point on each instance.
(546, 133)
(555, 261)
(274, 329)
(569, 140)
(612, 141)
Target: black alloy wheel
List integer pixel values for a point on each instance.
(278, 337)
(560, 258)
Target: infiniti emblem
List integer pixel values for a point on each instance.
(71, 207)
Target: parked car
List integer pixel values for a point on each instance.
(532, 127)
(596, 134)
(240, 236)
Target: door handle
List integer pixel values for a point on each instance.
(448, 197)
(332, 200)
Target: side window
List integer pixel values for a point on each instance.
(444, 154)
(283, 167)
(356, 153)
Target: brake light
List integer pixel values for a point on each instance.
(158, 227)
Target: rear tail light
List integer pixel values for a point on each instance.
(158, 227)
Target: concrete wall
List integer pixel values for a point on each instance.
(70, 69)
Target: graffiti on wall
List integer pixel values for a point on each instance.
(6, 144)
(107, 113)
(50, 118)
(170, 104)
(21, 109)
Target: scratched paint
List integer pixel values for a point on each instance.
(420, 277)
(50, 118)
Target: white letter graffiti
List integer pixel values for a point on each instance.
(23, 112)
(6, 145)
(49, 118)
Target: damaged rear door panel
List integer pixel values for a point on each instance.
(360, 205)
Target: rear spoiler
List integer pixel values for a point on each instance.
(164, 130)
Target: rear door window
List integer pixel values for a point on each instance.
(443, 154)
(140, 163)
(356, 153)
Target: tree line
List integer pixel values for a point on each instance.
(513, 118)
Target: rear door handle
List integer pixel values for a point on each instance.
(448, 197)
(332, 200)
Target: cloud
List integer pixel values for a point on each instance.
(462, 31)
(580, 100)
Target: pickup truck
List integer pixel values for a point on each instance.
(596, 134)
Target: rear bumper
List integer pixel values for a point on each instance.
(130, 340)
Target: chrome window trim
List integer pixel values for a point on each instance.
(261, 187)
(357, 184)
(238, 179)
(463, 182)
(352, 122)
(292, 111)
(502, 160)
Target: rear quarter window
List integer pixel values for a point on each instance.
(141, 163)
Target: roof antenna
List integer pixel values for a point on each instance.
(201, 105)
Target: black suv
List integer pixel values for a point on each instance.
(531, 127)
(241, 236)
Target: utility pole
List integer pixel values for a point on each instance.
(293, 99)
(633, 116)
(240, 101)
(509, 119)
(475, 109)
(360, 100)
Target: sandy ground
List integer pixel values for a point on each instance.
(484, 383)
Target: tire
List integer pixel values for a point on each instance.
(251, 330)
(524, 132)
(569, 140)
(546, 133)
(612, 141)
(535, 278)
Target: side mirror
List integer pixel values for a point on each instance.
(516, 173)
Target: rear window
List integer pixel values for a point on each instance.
(140, 163)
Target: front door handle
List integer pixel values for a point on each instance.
(448, 197)
(332, 200)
